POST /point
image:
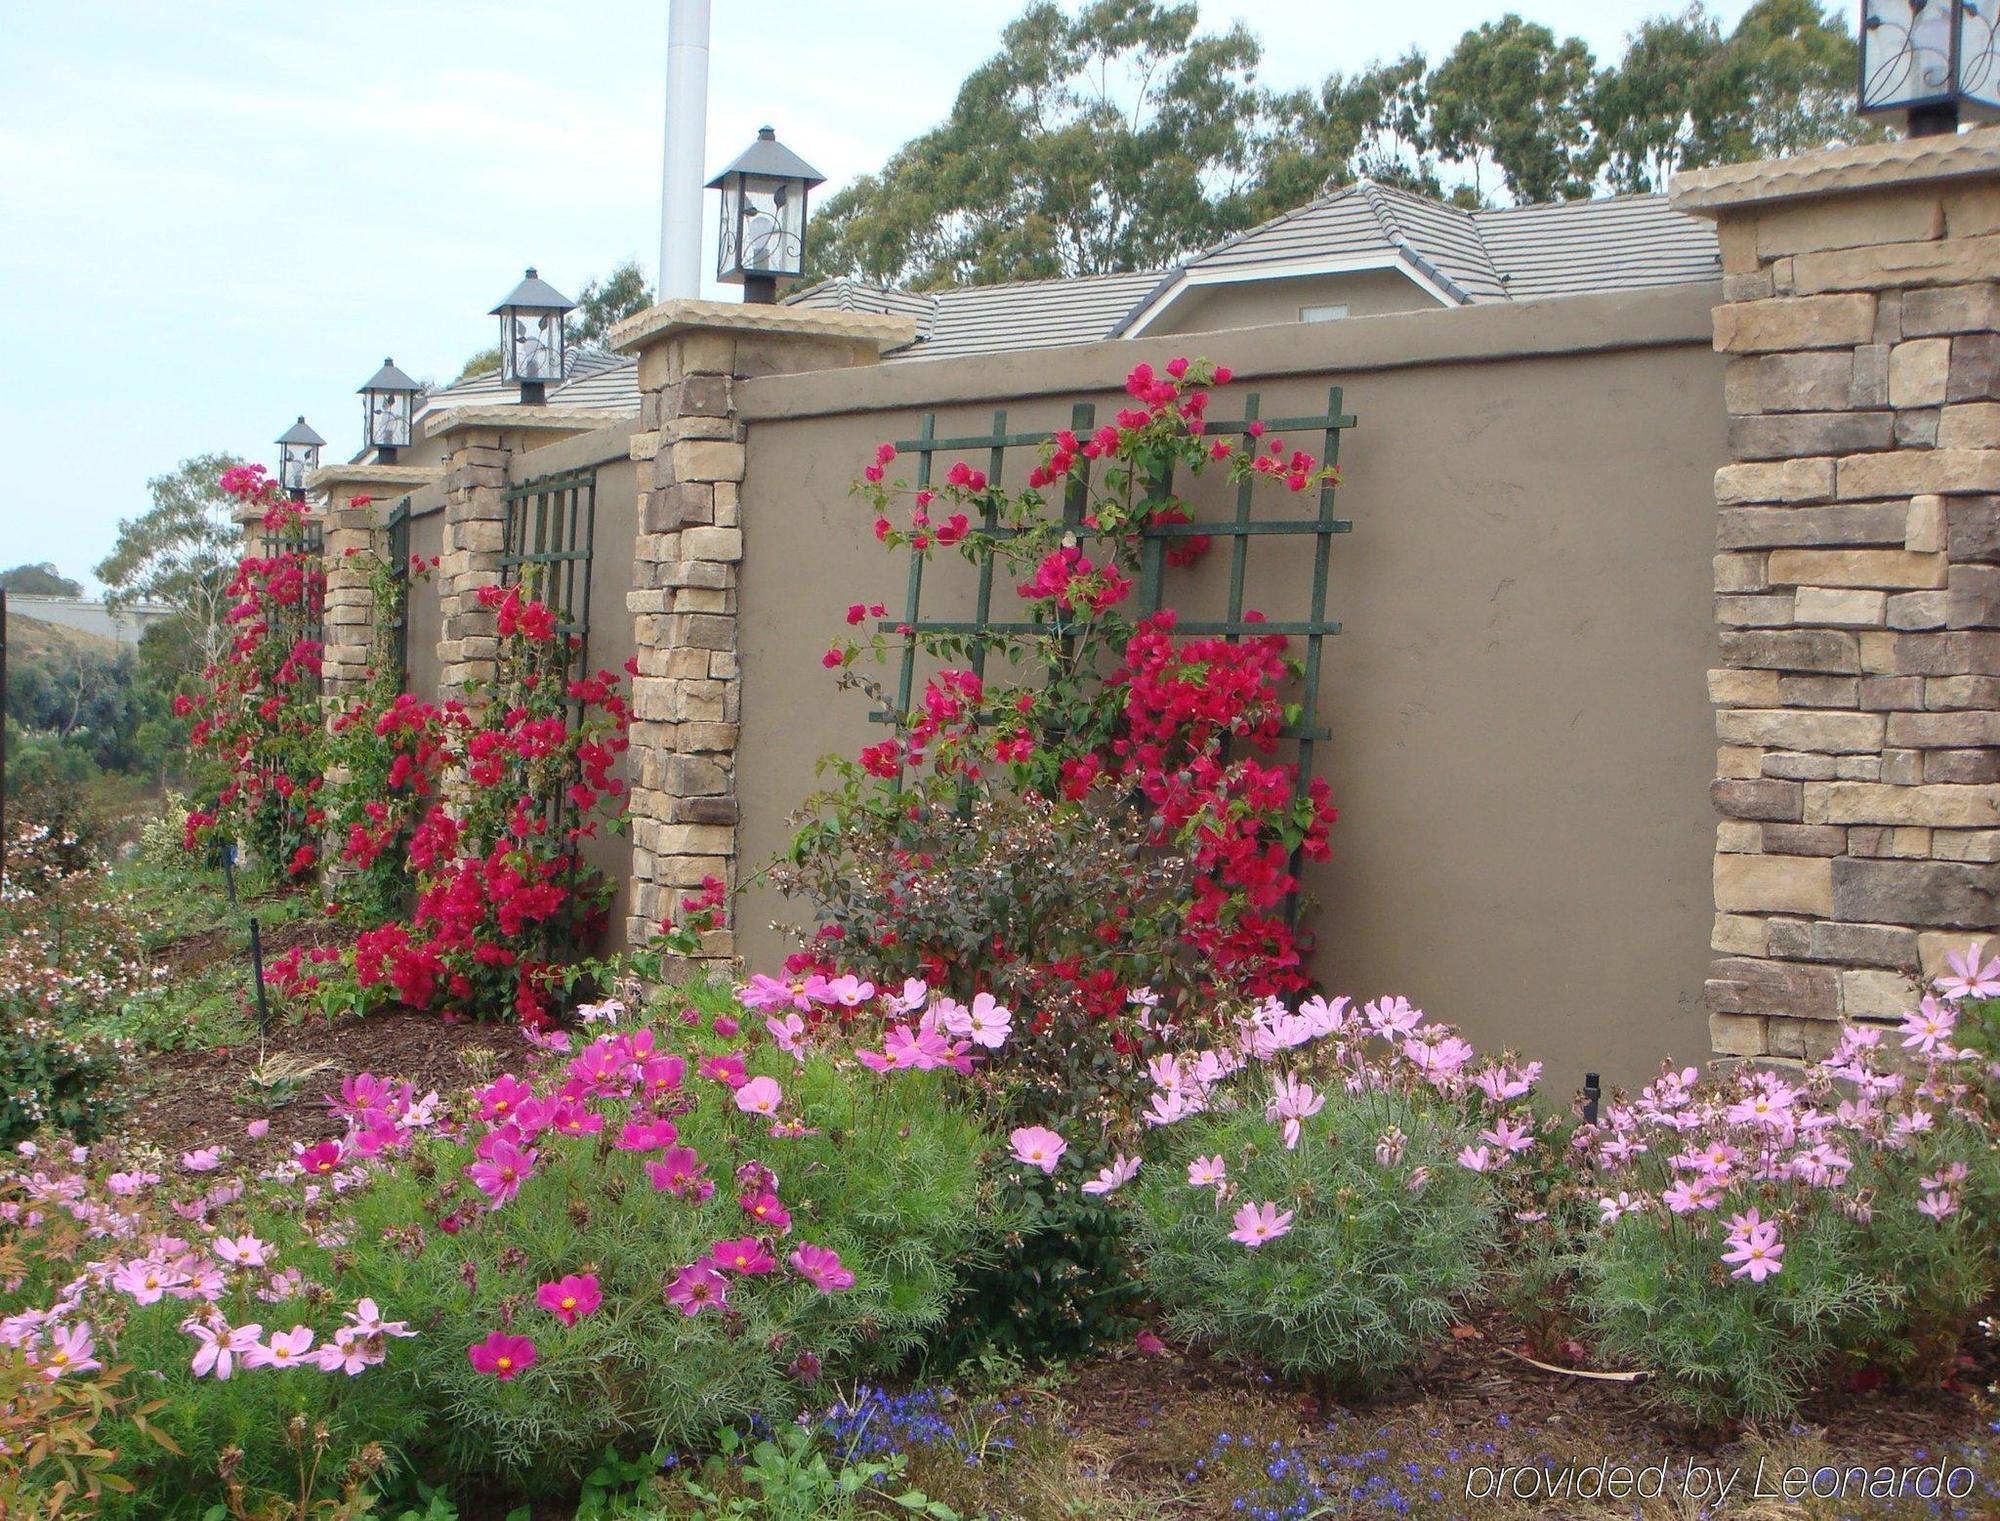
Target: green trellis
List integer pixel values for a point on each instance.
(397, 527)
(1241, 529)
(551, 522)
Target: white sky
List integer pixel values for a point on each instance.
(217, 214)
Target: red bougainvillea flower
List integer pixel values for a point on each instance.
(505, 1357)
(570, 1297)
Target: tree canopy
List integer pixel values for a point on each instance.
(1120, 135)
(180, 551)
(42, 580)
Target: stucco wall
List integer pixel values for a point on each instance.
(1521, 748)
(1264, 302)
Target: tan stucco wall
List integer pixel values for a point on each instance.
(1522, 746)
(1262, 302)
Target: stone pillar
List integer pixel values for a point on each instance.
(480, 444)
(1857, 581)
(357, 499)
(687, 697)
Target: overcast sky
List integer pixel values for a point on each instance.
(216, 215)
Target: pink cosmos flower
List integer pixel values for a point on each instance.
(698, 1287)
(348, 1353)
(319, 1160)
(502, 1355)
(724, 1069)
(1611, 1210)
(762, 1206)
(572, 1118)
(366, 1319)
(1207, 1172)
(680, 1171)
(571, 1297)
(1969, 979)
(1756, 1255)
(500, 1098)
(285, 1349)
(1940, 1204)
(761, 1095)
(1476, 1158)
(206, 1159)
(257, 1129)
(744, 1255)
(849, 991)
(70, 1349)
(788, 1034)
(1510, 1136)
(1123, 1170)
(820, 1267)
(244, 1251)
(147, 1282)
(986, 1023)
(1038, 1146)
(500, 1173)
(647, 1135)
(1259, 1223)
(1928, 1027)
(221, 1345)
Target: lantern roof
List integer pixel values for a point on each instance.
(535, 294)
(389, 378)
(301, 432)
(770, 159)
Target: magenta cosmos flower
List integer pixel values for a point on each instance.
(820, 1267)
(697, 1287)
(762, 1206)
(745, 1255)
(680, 1171)
(1259, 1223)
(500, 1171)
(1038, 1146)
(501, 1355)
(571, 1297)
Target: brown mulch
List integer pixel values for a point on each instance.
(187, 1099)
(1473, 1392)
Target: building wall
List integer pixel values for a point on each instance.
(125, 625)
(1263, 302)
(1521, 748)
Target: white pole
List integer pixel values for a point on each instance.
(687, 144)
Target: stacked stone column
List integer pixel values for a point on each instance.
(687, 697)
(349, 551)
(1857, 582)
(475, 529)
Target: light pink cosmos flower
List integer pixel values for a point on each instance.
(243, 1251)
(204, 1159)
(1929, 1026)
(1510, 1136)
(788, 1034)
(570, 1297)
(1610, 1211)
(1172, 1106)
(1123, 1170)
(128, 1185)
(1207, 1172)
(820, 1267)
(348, 1353)
(366, 1319)
(986, 1023)
(70, 1349)
(698, 1287)
(1689, 1195)
(761, 1095)
(285, 1349)
(849, 991)
(257, 1129)
(1038, 1146)
(1259, 1223)
(147, 1282)
(1940, 1204)
(1756, 1252)
(221, 1346)
(1476, 1158)
(1969, 979)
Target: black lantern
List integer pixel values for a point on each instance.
(388, 402)
(298, 457)
(1930, 61)
(763, 236)
(533, 352)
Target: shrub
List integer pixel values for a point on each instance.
(503, 1285)
(1760, 1230)
(67, 959)
(1320, 1211)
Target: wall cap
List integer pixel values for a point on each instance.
(644, 329)
(521, 419)
(329, 476)
(1837, 171)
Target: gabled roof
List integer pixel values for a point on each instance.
(597, 378)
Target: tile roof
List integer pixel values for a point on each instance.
(1472, 257)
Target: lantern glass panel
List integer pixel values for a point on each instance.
(295, 463)
(1979, 55)
(386, 418)
(774, 220)
(531, 345)
(1906, 53)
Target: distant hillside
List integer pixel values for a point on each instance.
(30, 637)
